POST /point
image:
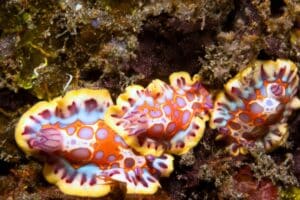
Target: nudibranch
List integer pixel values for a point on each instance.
(255, 105)
(162, 117)
(83, 156)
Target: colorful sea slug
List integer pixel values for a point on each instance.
(254, 108)
(83, 156)
(161, 117)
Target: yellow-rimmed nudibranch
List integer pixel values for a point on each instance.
(161, 117)
(83, 156)
(255, 105)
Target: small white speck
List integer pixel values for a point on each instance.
(78, 7)
(68, 82)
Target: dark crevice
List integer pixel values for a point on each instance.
(229, 22)
(5, 167)
(91, 74)
(11, 101)
(277, 8)
(263, 55)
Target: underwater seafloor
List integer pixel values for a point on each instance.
(50, 47)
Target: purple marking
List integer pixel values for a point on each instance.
(234, 125)
(167, 109)
(83, 179)
(252, 96)
(234, 148)
(86, 133)
(218, 120)
(269, 102)
(99, 155)
(263, 73)
(28, 130)
(208, 104)
(90, 105)
(129, 162)
(157, 128)
(120, 140)
(155, 113)
(163, 165)
(65, 173)
(197, 106)
(289, 77)
(192, 134)
(256, 108)
(224, 130)
(138, 132)
(142, 121)
(93, 180)
(180, 102)
(196, 127)
(71, 130)
(70, 179)
(124, 108)
(131, 101)
(111, 158)
(171, 127)
(48, 140)
(258, 121)
(180, 144)
(102, 133)
(281, 73)
(57, 167)
(151, 180)
(115, 165)
(244, 117)
(190, 96)
(150, 158)
(128, 177)
(80, 154)
(35, 119)
(145, 110)
(236, 91)
(73, 142)
(59, 113)
(145, 184)
(276, 89)
(176, 114)
(186, 116)
(45, 114)
(73, 109)
(114, 172)
(148, 144)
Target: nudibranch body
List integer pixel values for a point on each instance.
(254, 108)
(161, 117)
(83, 156)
